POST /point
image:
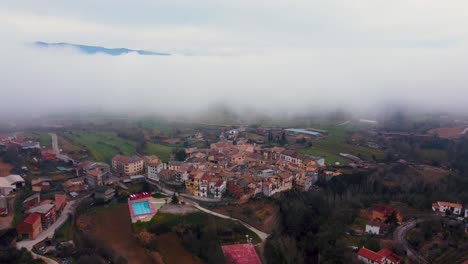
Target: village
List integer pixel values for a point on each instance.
(232, 170)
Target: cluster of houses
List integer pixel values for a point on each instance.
(40, 214)
(237, 168)
(19, 140)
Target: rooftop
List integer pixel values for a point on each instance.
(32, 218)
(10, 180)
(42, 209)
(126, 159)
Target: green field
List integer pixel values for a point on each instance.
(159, 150)
(65, 232)
(102, 145)
(334, 144)
(42, 137)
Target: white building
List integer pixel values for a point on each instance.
(219, 189)
(10, 183)
(375, 228)
(153, 170)
(455, 208)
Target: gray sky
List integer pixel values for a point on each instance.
(266, 55)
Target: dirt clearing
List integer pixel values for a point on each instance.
(448, 132)
(112, 225)
(259, 213)
(5, 168)
(172, 250)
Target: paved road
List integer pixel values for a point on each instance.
(263, 236)
(49, 232)
(55, 145)
(56, 148)
(400, 236)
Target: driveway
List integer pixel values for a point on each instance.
(49, 233)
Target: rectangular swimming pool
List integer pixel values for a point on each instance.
(141, 208)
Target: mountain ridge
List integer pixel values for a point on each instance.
(89, 49)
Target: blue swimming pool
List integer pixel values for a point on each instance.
(141, 208)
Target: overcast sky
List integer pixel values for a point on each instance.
(267, 55)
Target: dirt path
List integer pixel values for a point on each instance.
(400, 235)
(113, 226)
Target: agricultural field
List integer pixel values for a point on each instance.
(331, 146)
(112, 225)
(102, 145)
(67, 146)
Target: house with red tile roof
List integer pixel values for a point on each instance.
(48, 154)
(31, 227)
(47, 213)
(384, 256)
(383, 212)
(389, 257)
(60, 200)
(455, 208)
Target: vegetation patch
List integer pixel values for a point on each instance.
(42, 137)
(162, 151)
(102, 145)
(334, 144)
(65, 232)
(198, 232)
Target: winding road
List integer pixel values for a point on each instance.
(400, 236)
(48, 233)
(262, 235)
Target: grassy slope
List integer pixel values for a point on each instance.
(161, 151)
(102, 145)
(330, 147)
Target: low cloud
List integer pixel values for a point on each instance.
(348, 67)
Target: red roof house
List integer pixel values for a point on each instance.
(384, 256)
(48, 154)
(31, 227)
(60, 202)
